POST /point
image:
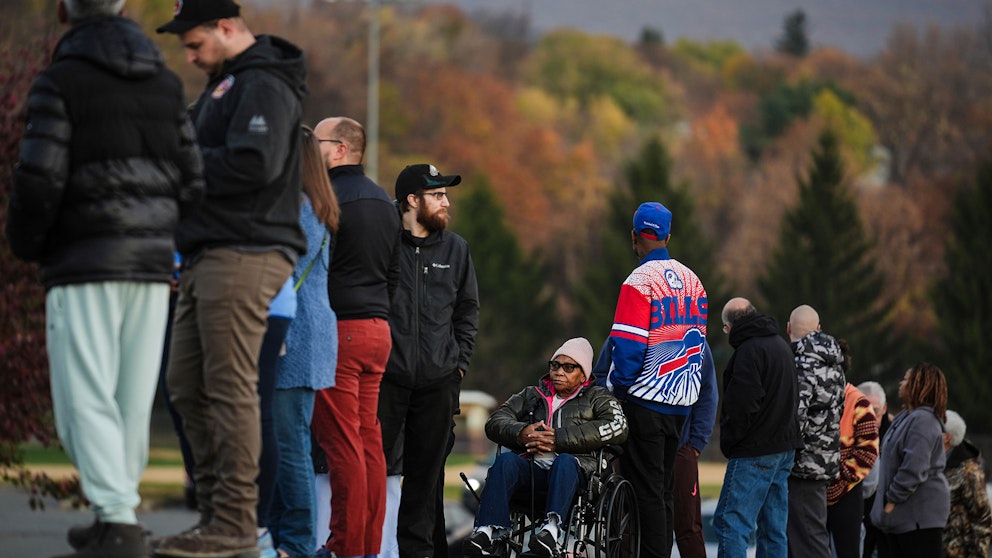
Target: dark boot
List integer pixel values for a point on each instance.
(114, 540)
(81, 535)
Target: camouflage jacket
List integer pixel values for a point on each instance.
(821, 401)
(969, 527)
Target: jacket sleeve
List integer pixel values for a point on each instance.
(608, 426)
(864, 448)
(506, 422)
(629, 339)
(255, 150)
(41, 173)
(191, 166)
(465, 317)
(703, 414)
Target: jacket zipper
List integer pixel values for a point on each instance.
(416, 313)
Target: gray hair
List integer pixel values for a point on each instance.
(956, 427)
(78, 10)
(873, 389)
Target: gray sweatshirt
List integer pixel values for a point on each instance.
(911, 474)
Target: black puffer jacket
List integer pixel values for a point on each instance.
(247, 124)
(434, 313)
(759, 411)
(108, 160)
(587, 422)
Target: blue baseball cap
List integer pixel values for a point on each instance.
(653, 219)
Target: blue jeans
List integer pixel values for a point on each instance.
(511, 473)
(293, 512)
(755, 495)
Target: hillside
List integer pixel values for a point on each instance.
(861, 28)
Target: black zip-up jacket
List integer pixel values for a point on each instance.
(435, 310)
(583, 424)
(248, 126)
(362, 273)
(760, 392)
(108, 161)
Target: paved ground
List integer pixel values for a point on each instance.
(38, 534)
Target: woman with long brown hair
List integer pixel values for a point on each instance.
(310, 358)
(913, 499)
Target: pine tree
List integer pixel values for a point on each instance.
(517, 318)
(963, 305)
(648, 178)
(824, 259)
(794, 40)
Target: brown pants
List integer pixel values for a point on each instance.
(213, 373)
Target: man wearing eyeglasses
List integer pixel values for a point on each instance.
(434, 319)
(360, 281)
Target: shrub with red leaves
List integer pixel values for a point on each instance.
(25, 396)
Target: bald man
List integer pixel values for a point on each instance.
(819, 361)
(759, 433)
(360, 282)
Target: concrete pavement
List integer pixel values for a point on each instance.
(39, 534)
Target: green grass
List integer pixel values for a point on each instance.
(35, 454)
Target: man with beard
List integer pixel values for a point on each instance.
(434, 319)
(359, 280)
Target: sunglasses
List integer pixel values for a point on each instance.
(554, 365)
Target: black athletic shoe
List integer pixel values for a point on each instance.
(543, 544)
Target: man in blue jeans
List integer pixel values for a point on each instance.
(759, 434)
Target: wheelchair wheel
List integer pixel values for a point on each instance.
(617, 522)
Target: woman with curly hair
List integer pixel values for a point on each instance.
(913, 496)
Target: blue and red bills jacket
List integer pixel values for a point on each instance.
(658, 336)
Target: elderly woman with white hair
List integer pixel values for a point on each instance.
(969, 526)
(552, 431)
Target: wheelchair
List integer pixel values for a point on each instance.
(603, 521)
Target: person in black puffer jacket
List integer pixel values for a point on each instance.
(107, 166)
(552, 429)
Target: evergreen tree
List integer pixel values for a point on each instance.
(963, 305)
(517, 317)
(824, 259)
(648, 178)
(794, 40)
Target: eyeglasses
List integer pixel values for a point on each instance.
(329, 140)
(568, 367)
(437, 195)
(726, 328)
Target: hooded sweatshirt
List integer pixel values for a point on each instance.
(247, 123)
(821, 400)
(760, 392)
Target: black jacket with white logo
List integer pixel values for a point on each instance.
(248, 126)
(435, 311)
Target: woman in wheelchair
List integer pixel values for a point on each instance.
(552, 431)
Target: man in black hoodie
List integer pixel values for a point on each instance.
(759, 433)
(107, 167)
(238, 250)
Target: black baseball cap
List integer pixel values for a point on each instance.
(414, 178)
(190, 13)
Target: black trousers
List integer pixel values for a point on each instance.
(416, 424)
(921, 543)
(844, 523)
(648, 462)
